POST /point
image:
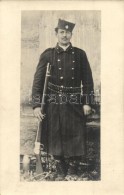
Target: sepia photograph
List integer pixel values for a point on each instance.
(60, 95)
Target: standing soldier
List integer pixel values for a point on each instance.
(63, 132)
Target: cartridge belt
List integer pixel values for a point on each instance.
(62, 89)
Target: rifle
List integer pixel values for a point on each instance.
(37, 149)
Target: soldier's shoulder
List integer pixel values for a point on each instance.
(79, 50)
(48, 50)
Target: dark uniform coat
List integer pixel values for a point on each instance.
(63, 131)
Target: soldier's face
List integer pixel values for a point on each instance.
(64, 36)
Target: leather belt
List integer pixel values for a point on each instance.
(62, 89)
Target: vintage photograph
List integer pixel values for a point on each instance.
(60, 137)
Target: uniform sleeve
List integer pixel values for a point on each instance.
(38, 82)
(87, 82)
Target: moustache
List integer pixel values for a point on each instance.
(64, 39)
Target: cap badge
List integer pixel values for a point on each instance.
(66, 26)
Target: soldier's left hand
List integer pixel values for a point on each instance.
(87, 110)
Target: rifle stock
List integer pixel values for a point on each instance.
(39, 168)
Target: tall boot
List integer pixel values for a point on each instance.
(72, 170)
(61, 170)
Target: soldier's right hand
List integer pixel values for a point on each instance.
(37, 148)
(38, 113)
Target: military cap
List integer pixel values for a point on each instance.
(65, 25)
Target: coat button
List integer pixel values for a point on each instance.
(72, 68)
(61, 78)
(72, 78)
(58, 60)
(60, 68)
(73, 52)
(73, 61)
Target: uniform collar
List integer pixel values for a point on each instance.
(60, 49)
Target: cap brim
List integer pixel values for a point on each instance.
(62, 29)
